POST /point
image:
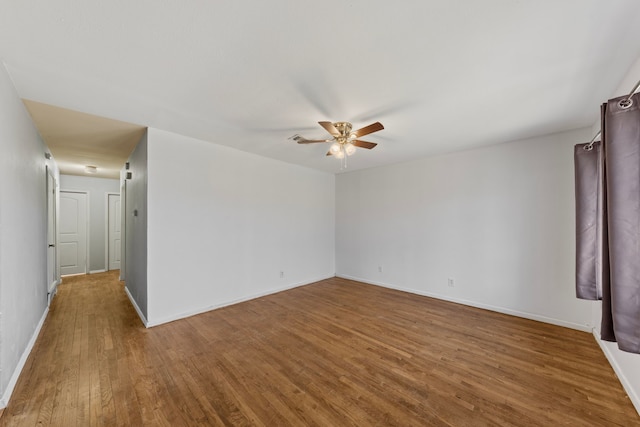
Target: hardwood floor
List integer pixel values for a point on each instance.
(332, 353)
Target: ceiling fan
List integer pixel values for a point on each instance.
(344, 139)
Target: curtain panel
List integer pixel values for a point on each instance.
(608, 222)
(589, 175)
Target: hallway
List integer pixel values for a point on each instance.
(78, 358)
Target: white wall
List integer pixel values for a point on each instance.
(223, 224)
(626, 365)
(97, 189)
(498, 220)
(23, 235)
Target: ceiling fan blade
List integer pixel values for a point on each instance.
(329, 153)
(374, 127)
(302, 140)
(312, 141)
(364, 144)
(329, 127)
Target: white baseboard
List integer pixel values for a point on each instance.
(52, 292)
(135, 305)
(504, 310)
(23, 360)
(626, 384)
(156, 322)
(97, 271)
(52, 288)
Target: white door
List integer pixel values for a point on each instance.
(52, 273)
(114, 233)
(73, 233)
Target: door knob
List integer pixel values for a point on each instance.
(52, 245)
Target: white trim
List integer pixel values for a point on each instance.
(232, 302)
(123, 224)
(504, 310)
(58, 268)
(52, 193)
(54, 287)
(98, 271)
(106, 231)
(107, 265)
(52, 292)
(87, 263)
(135, 305)
(23, 360)
(626, 384)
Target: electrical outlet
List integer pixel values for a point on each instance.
(282, 274)
(379, 269)
(450, 282)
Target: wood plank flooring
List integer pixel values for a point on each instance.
(333, 353)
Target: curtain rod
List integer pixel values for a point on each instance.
(624, 103)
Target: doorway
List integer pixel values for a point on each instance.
(73, 232)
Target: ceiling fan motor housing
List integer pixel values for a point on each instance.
(343, 127)
(345, 132)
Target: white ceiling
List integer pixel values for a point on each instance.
(441, 75)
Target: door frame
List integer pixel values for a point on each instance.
(87, 266)
(106, 228)
(52, 220)
(123, 225)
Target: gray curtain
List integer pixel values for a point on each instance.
(589, 173)
(608, 223)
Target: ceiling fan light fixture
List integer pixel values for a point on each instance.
(335, 148)
(349, 149)
(340, 154)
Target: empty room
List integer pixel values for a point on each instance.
(414, 213)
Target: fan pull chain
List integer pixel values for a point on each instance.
(344, 159)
